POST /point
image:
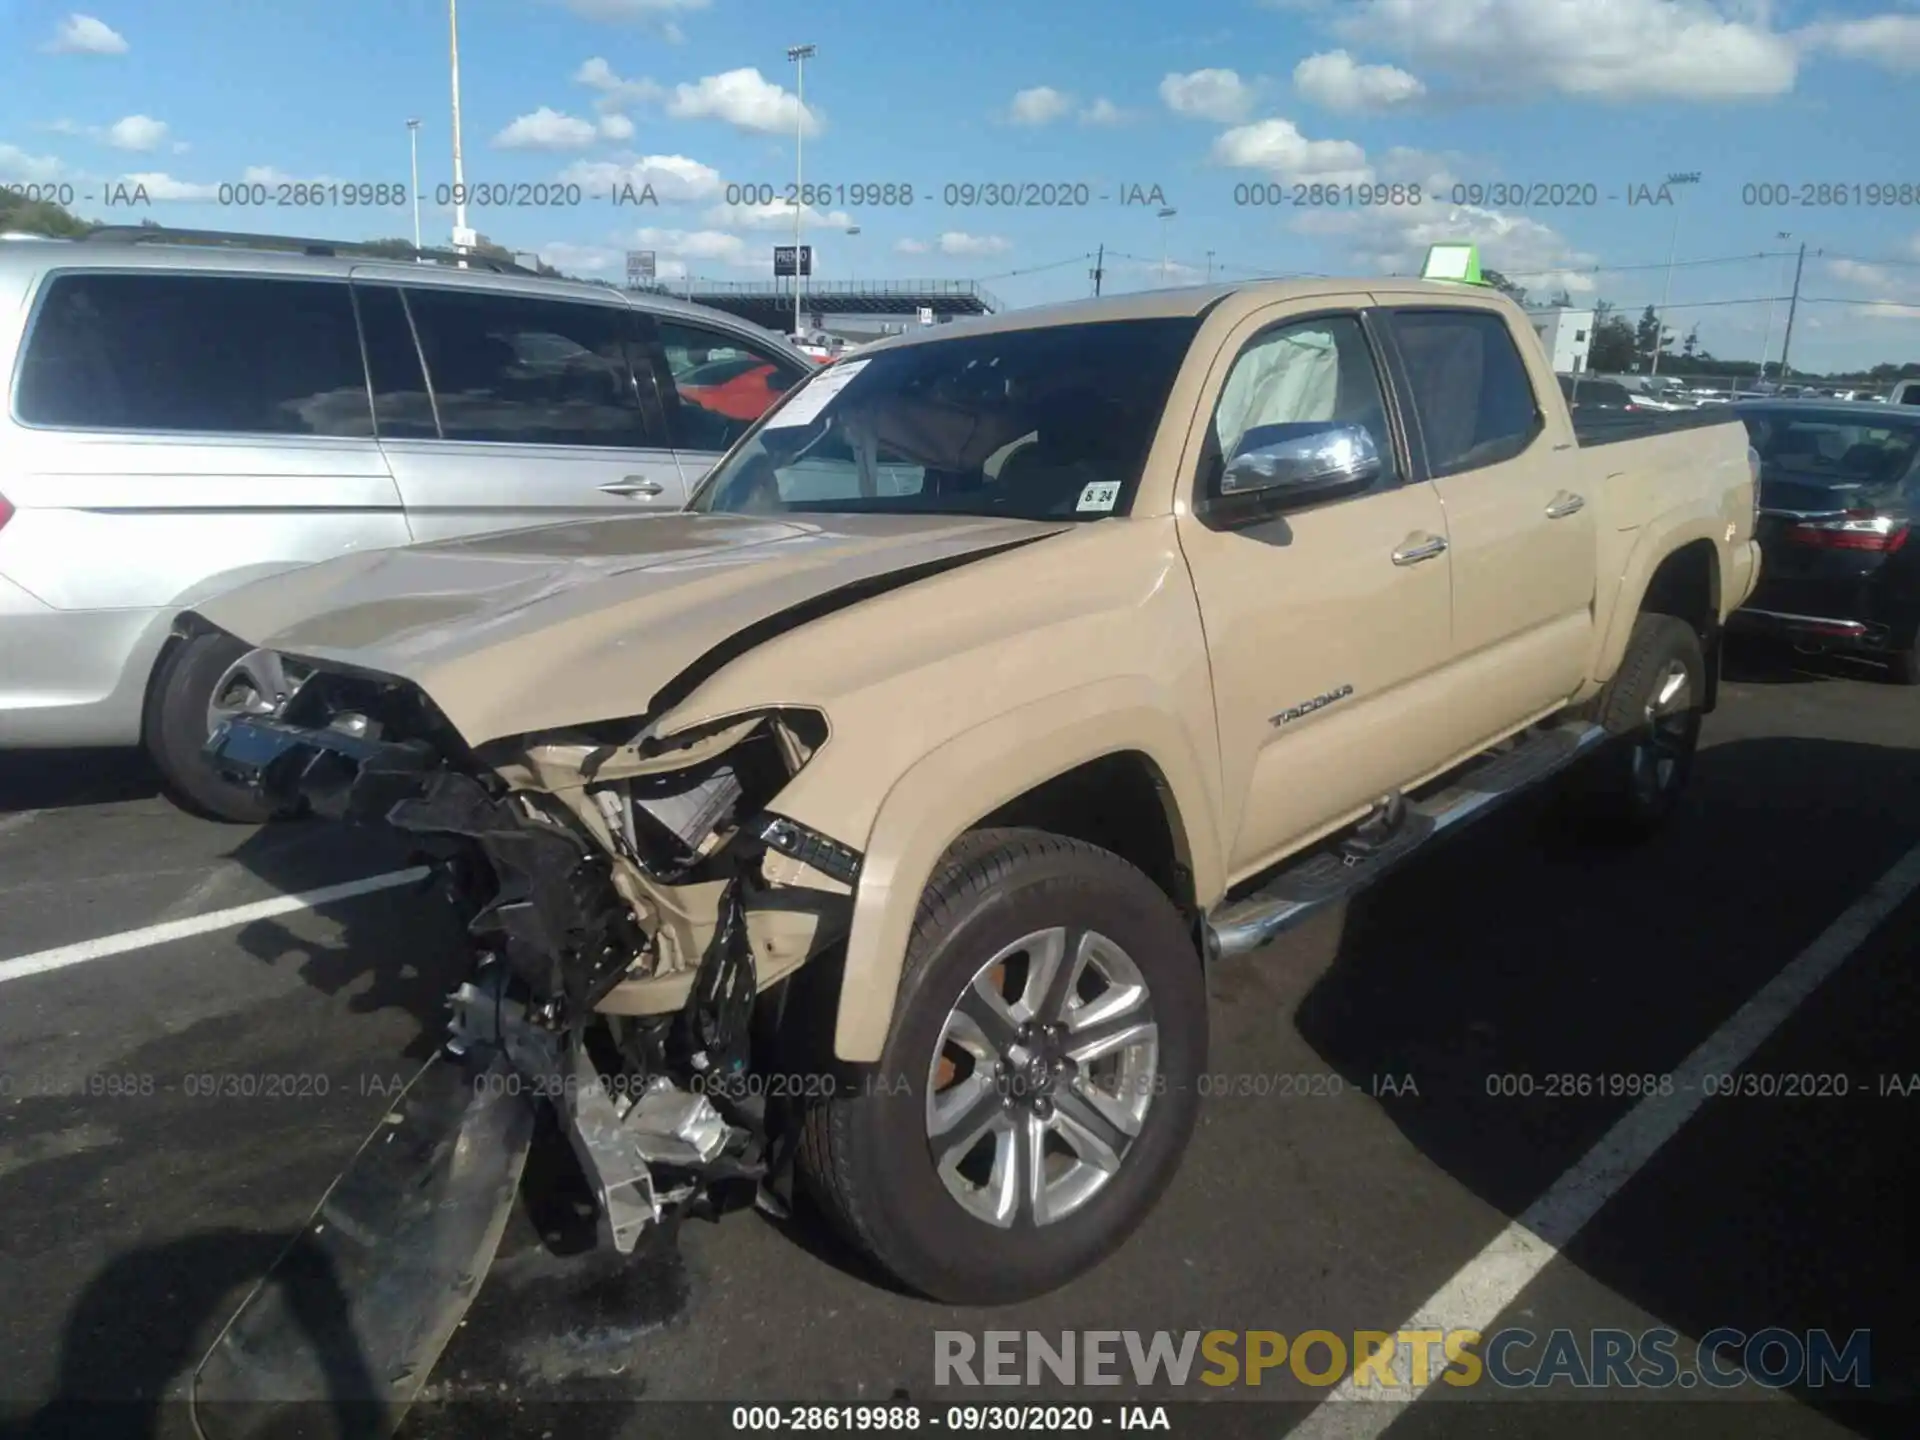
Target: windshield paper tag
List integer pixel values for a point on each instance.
(805, 407)
(1101, 495)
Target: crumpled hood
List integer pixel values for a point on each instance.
(571, 624)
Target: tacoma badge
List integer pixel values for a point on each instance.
(1307, 707)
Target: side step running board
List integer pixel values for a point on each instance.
(1338, 870)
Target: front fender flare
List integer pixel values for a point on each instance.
(950, 788)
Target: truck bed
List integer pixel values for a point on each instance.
(1607, 427)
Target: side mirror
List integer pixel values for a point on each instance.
(1301, 461)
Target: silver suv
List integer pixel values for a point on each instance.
(186, 412)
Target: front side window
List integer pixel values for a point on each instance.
(1043, 424)
(514, 369)
(210, 354)
(1312, 374)
(721, 385)
(1470, 387)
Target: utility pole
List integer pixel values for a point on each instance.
(1167, 212)
(1691, 177)
(413, 144)
(1792, 305)
(798, 54)
(1766, 336)
(463, 238)
(1099, 268)
(1210, 267)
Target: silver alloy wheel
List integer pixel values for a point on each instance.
(1042, 1077)
(1662, 745)
(258, 683)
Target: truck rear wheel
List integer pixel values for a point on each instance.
(1651, 709)
(1040, 1080)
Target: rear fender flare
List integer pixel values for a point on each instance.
(1650, 548)
(950, 788)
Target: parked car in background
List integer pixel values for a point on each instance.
(188, 416)
(1839, 494)
(1907, 392)
(1584, 394)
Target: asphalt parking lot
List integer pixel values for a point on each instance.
(138, 1209)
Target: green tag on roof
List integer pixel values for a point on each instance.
(1453, 262)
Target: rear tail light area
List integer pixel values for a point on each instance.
(6, 511)
(1854, 530)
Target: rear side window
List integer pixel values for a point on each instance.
(1470, 387)
(200, 353)
(514, 369)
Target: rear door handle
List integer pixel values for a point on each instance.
(634, 485)
(1564, 504)
(1416, 550)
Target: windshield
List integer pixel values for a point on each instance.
(1832, 453)
(1044, 424)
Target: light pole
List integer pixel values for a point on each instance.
(413, 145)
(851, 231)
(463, 238)
(1766, 337)
(799, 55)
(1167, 212)
(1210, 267)
(1689, 177)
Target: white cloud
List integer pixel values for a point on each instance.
(615, 93)
(911, 247)
(701, 245)
(615, 127)
(161, 186)
(1041, 105)
(84, 35)
(18, 166)
(1890, 41)
(1602, 49)
(136, 132)
(958, 242)
(579, 259)
(1388, 239)
(1338, 82)
(776, 215)
(1217, 95)
(656, 12)
(1278, 146)
(746, 100)
(675, 179)
(547, 129)
(1435, 173)
(1103, 112)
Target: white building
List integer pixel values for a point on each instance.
(1566, 335)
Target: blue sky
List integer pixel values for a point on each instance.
(694, 96)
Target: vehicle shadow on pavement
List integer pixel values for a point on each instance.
(57, 779)
(402, 949)
(1520, 953)
(136, 1333)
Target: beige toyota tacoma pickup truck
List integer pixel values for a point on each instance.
(874, 822)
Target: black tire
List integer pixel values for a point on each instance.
(1613, 798)
(176, 730)
(866, 1157)
(1903, 666)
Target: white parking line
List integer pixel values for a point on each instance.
(1493, 1279)
(62, 956)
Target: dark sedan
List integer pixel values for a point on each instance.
(1839, 493)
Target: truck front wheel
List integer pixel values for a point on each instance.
(1039, 1082)
(1651, 710)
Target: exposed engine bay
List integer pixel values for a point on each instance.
(629, 898)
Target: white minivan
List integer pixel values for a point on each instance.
(186, 412)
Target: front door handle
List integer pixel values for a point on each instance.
(634, 485)
(1416, 549)
(1564, 504)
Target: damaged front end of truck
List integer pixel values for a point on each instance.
(631, 896)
